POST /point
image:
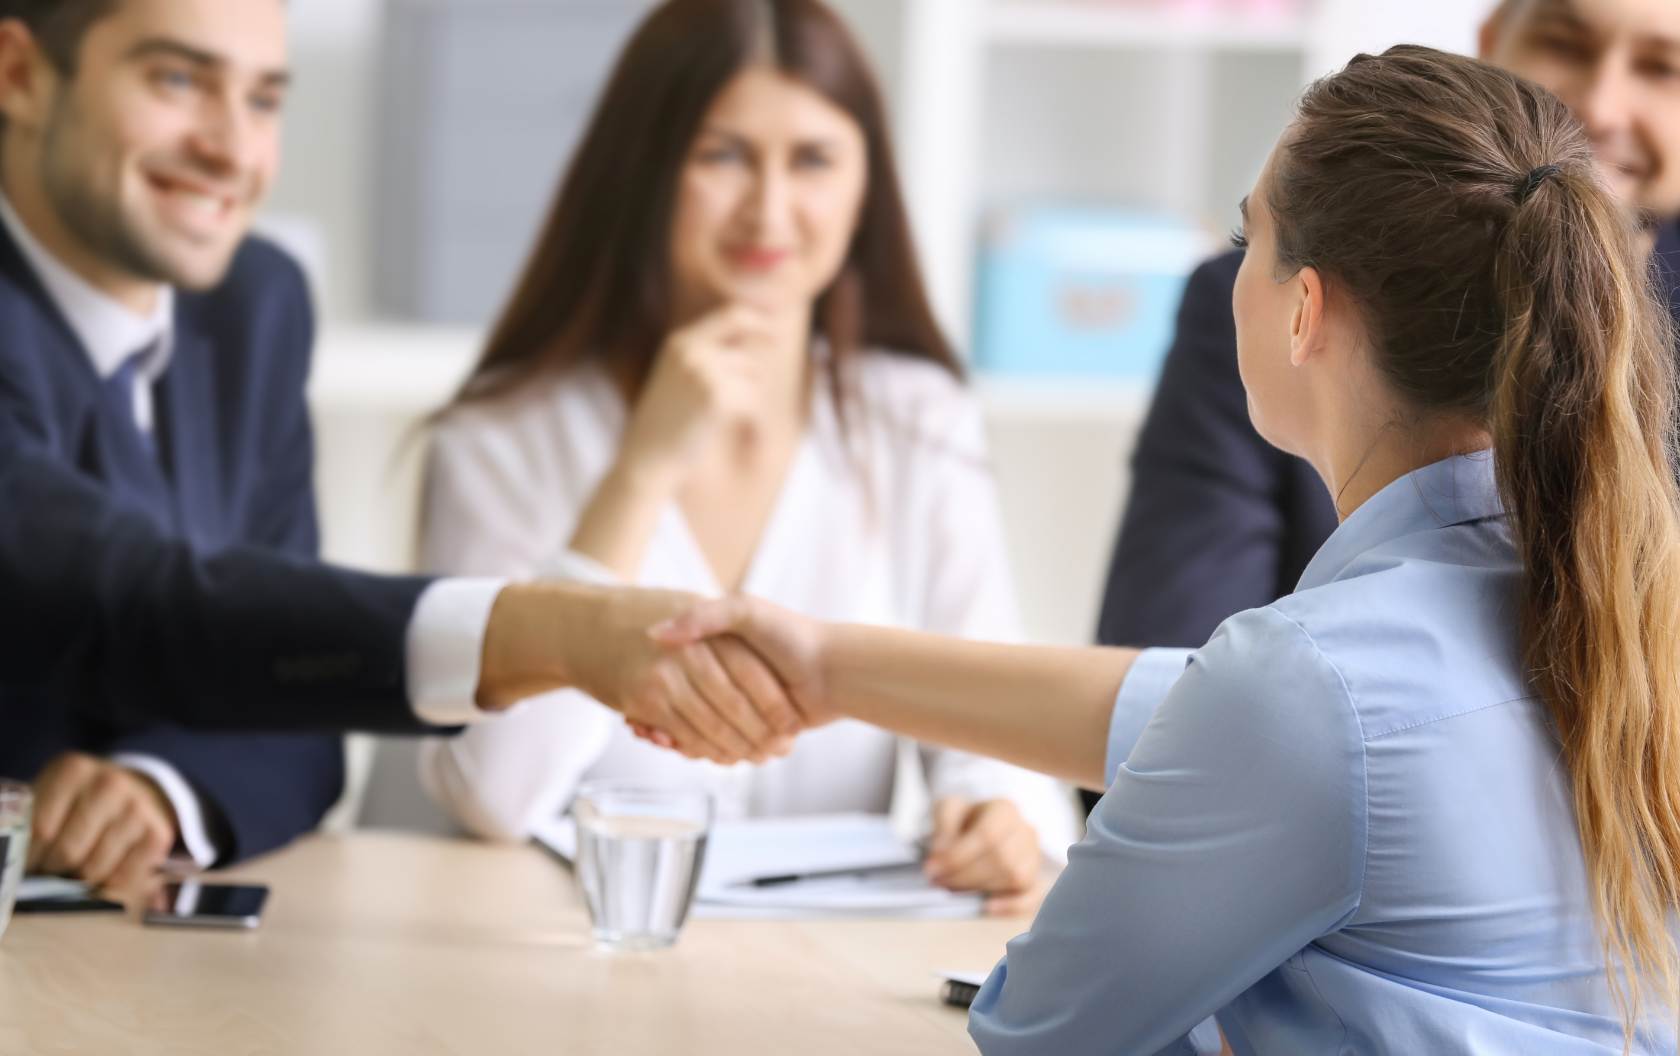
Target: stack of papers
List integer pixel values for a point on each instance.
(740, 855)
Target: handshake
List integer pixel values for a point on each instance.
(729, 680)
(737, 679)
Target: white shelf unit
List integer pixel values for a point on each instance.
(1004, 101)
(1141, 104)
(1085, 25)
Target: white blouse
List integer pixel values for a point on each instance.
(891, 520)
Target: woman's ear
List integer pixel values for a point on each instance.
(1306, 324)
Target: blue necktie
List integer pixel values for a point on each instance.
(121, 386)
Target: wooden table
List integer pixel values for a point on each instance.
(388, 943)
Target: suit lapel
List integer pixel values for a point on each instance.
(107, 447)
(179, 485)
(17, 270)
(1668, 266)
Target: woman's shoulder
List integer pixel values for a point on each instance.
(908, 397)
(1417, 636)
(549, 410)
(900, 379)
(1265, 678)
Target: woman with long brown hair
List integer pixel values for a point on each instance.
(720, 371)
(1430, 802)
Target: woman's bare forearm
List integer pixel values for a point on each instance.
(617, 525)
(1041, 707)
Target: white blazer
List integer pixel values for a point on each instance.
(892, 520)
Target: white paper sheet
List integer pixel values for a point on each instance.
(43, 888)
(737, 852)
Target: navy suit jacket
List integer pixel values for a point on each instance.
(182, 586)
(1219, 521)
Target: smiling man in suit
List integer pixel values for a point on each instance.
(157, 528)
(167, 353)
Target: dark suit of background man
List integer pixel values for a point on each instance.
(157, 530)
(220, 455)
(1218, 520)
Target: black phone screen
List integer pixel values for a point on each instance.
(195, 901)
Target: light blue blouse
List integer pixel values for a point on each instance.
(1342, 825)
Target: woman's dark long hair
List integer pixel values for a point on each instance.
(599, 283)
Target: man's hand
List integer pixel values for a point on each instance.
(986, 846)
(712, 700)
(99, 823)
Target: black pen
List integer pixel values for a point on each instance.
(823, 874)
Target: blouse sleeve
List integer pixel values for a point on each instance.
(482, 515)
(1252, 767)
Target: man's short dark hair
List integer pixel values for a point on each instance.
(58, 25)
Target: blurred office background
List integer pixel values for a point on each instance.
(1066, 163)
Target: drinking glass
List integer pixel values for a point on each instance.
(639, 855)
(16, 803)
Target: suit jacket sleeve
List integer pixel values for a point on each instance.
(262, 790)
(102, 608)
(1203, 531)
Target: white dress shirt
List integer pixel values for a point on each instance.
(446, 633)
(896, 525)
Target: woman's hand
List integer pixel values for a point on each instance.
(707, 375)
(787, 644)
(714, 700)
(791, 645)
(986, 846)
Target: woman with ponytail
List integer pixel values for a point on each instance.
(1430, 802)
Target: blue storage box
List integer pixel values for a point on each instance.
(1070, 290)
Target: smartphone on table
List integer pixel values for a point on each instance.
(196, 904)
(961, 988)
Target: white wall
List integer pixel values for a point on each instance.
(1352, 26)
(325, 178)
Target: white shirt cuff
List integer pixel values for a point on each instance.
(446, 649)
(189, 812)
(1152, 676)
(581, 568)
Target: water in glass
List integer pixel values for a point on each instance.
(639, 857)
